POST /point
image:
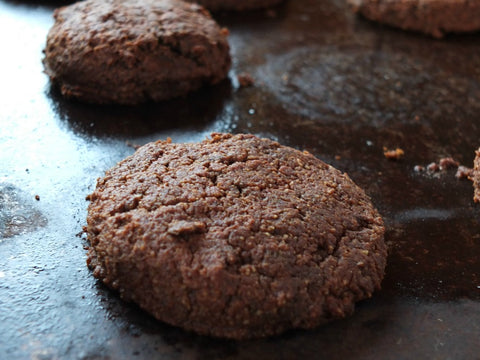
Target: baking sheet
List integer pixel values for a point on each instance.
(325, 81)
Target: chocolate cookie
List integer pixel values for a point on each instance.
(432, 17)
(131, 51)
(475, 176)
(236, 5)
(236, 236)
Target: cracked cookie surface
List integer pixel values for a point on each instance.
(236, 236)
(128, 51)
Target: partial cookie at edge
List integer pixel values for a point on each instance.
(476, 176)
(432, 17)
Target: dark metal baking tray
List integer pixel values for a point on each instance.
(325, 81)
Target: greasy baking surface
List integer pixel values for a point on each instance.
(325, 81)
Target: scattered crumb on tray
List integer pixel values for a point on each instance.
(129, 144)
(433, 167)
(464, 172)
(245, 79)
(396, 154)
(448, 163)
(224, 31)
(444, 164)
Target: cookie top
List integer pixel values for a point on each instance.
(235, 236)
(236, 5)
(432, 17)
(131, 51)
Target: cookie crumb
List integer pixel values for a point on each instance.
(132, 145)
(396, 154)
(448, 163)
(433, 167)
(464, 172)
(245, 79)
(224, 31)
(443, 165)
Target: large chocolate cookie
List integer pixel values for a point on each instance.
(236, 5)
(433, 17)
(131, 51)
(235, 236)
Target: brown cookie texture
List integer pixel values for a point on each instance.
(132, 51)
(236, 236)
(475, 176)
(432, 17)
(236, 5)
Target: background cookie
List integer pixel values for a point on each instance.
(235, 236)
(132, 51)
(237, 5)
(433, 17)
